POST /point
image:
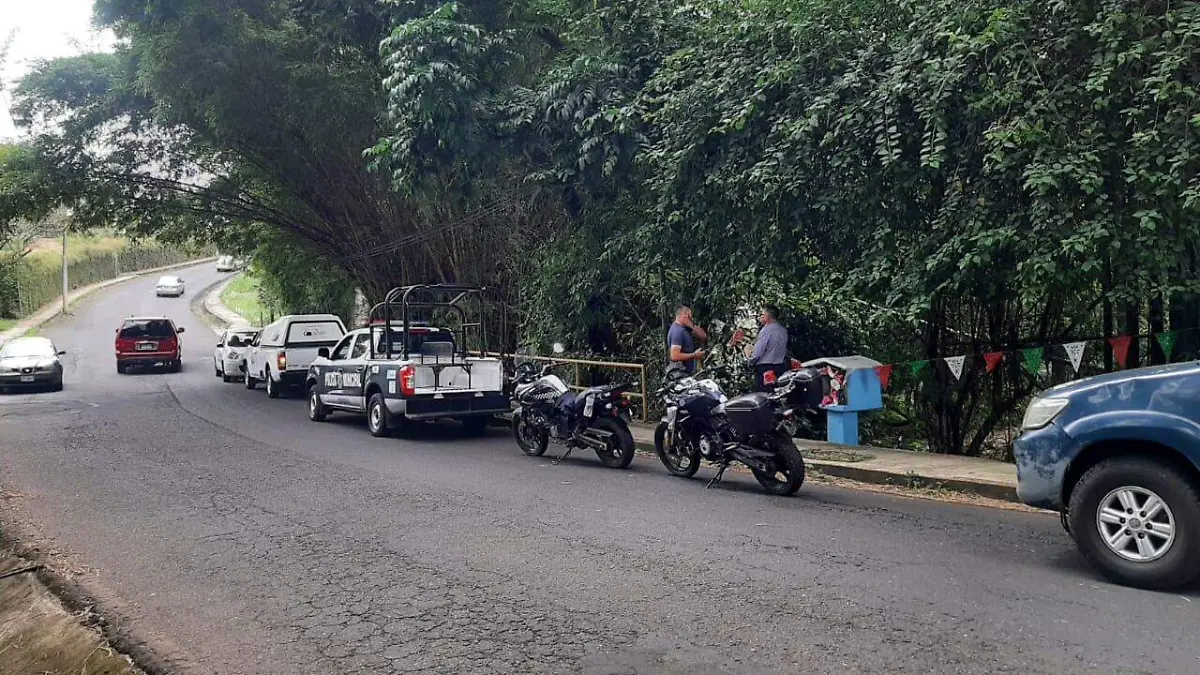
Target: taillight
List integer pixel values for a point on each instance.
(408, 380)
(281, 360)
(124, 345)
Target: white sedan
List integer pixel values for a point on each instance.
(169, 286)
(229, 356)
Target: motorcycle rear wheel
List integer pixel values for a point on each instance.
(679, 461)
(621, 447)
(789, 468)
(531, 440)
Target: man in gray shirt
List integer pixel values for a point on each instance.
(770, 349)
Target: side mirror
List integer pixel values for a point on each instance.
(179, 330)
(323, 353)
(62, 352)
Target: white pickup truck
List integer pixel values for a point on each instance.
(283, 351)
(394, 371)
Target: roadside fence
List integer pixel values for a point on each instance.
(34, 283)
(589, 372)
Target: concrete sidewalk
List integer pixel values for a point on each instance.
(984, 477)
(54, 309)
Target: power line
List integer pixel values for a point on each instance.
(493, 208)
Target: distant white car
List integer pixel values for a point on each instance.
(169, 286)
(229, 356)
(226, 263)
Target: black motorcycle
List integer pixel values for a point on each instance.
(547, 410)
(701, 423)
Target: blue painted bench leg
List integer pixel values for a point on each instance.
(842, 427)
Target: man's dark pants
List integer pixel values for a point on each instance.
(761, 370)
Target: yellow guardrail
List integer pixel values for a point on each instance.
(637, 368)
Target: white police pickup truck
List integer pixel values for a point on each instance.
(395, 371)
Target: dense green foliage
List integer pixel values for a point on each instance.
(911, 179)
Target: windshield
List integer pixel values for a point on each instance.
(168, 281)
(240, 339)
(147, 328)
(27, 347)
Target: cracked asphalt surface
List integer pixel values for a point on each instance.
(232, 535)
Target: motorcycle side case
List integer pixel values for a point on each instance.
(750, 414)
(811, 388)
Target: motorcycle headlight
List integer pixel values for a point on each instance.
(1042, 411)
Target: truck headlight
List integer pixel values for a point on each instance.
(1042, 411)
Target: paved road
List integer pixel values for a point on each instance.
(241, 538)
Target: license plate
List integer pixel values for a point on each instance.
(27, 378)
(587, 407)
(147, 347)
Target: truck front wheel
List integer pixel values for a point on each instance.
(316, 409)
(1137, 520)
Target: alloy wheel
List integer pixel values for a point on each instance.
(1136, 524)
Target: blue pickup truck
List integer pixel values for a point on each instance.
(1118, 456)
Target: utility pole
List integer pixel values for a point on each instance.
(66, 289)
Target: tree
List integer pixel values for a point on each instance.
(212, 117)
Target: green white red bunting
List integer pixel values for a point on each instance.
(1075, 353)
(955, 363)
(1167, 342)
(1033, 358)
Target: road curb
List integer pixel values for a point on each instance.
(95, 608)
(893, 478)
(871, 476)
(48, 312)
(1002, 493)
(203, 305)
(214, 306)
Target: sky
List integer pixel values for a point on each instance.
(44, 29)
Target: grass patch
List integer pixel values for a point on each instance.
(48, 252)
(242, 296)
(5, 324)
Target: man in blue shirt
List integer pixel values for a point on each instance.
(770, 348)
(681, 341)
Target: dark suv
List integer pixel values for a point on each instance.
(1118, 456)
(150, 342)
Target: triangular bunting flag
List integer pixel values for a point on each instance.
(1120, 347)
(885, 375)
(993, 359)
(1033, 359)
(956, 365)
(1167, 342)
(1075, 353)
(918, 366)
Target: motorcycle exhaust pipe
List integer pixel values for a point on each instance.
(595, 439)
(752, 457)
